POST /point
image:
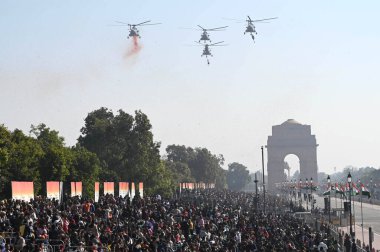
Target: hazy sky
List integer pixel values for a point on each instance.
(318, 63)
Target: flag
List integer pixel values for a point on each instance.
(330, 188)
(365, 191)
(338, 189)
(354, 189)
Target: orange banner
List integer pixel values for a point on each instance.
(53, 190)
(123, 189)
(141, 189)
(22, 190)
(96, 192)
(76, 189)
(108, 188)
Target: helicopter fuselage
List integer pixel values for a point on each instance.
(250, 29)
(205, 37)
(206, 51)
(133, 32)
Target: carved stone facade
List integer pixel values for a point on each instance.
(291, 137)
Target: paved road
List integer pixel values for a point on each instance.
(371, 213)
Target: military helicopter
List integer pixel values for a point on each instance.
(133, 31)
(205, 36)
(207, 51)
(251, 27)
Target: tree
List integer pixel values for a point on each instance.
(124, 145)
(237, 176)
(85, 167)
(180, 171)
(56, 159)
(203, 165)
(19, 159)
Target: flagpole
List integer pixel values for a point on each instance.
(341, 206)
(336, 200)
(353, 201)
(361, 210)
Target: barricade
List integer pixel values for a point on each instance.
(87, 248)
(317, 223)
(9, 237)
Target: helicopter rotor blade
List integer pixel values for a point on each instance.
(213, 44)
(121, 22)
(202, 28)
(249, 18)
(150, 24)
(142, 23)
(217, 28)
(259, 20)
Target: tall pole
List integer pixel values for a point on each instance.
(311, 194)
(371, 189)
(262, 161)
(349, 179)
(361, 208)
(300, 198)
(329, 185)
(307, 196)
(257, 198)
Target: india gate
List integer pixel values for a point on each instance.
(291, 137)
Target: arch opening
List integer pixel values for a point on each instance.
(292, 167)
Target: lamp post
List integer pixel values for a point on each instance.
(329, 185)
(257, 198)
(300, 198)
(262, 161)
(349, 180)
(311, 194)
(307, 196)
(371, 189)
(291, 191)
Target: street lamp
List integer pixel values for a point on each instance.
(291, 191)
(262, 160)
(311, 194)
(329, 185)
(349, 180)
(300, 195)
(371, 188)
(307, 196)
(257, 198)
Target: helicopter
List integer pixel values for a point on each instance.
(207, 51)
(205, 36)
(133, 31)
(251, 27)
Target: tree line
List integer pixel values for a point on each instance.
(112, 147)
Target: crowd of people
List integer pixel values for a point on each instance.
(207, 220)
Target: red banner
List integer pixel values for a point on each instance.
(108, 188)
(96, 192)
(141, 189)
(76, 189)
(22, 190)
(53, 190)
(123, 189)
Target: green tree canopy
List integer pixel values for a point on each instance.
(203, 165)
(124, 145)
(237, 176)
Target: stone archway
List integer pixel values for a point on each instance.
(291, 137)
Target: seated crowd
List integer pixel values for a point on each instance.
(207, 220)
